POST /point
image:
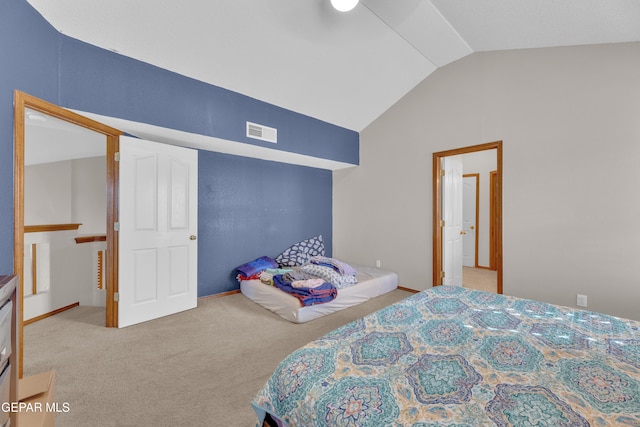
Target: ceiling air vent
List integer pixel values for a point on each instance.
(261, 132)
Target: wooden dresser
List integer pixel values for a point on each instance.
(26, 402)
(9, 310)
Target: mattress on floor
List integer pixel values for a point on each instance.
(372, 282)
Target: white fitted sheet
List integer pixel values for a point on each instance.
(372, 282)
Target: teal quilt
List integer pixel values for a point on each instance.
(454, 357)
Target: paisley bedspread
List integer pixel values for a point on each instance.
(454, 357)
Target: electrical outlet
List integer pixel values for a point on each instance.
(378, 263)
(581, 300)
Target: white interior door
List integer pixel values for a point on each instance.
(469, 226)
(158, 225)
(452, 216)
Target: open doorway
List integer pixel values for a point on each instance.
(24, 103)
(493, 230)
(64, 216)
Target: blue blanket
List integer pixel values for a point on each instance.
(256, 266)
(307, 296)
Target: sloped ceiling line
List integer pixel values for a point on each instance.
(401, 35)
(276, 50)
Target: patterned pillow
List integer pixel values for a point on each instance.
(328, 274)
(300, 253)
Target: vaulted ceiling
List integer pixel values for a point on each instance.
(343, 68)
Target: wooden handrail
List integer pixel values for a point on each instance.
(91, 239)
(50, 227)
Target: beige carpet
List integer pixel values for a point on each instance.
(480, 279)
(197, 368)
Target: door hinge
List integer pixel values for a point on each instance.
(116, 156)
(116, 296)
(442, 223)
(442, 172)
(442, 274)
(116, 226)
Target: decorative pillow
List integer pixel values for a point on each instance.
(339, 266)
(328, 274)
(299, 253)
(256, 266)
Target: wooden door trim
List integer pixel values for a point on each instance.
(437, 207)
(22, 101)
(493, 184)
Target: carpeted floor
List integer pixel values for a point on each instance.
(197, 368)
(480, 278)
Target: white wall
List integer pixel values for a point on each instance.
(69, 191)
(47, 197)
(89, 194)
(71, 269)
(570, 122)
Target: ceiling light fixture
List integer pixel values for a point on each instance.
(344, 5)
(36, 116)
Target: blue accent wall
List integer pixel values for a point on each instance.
(106, 83)
(28, 61)
(248, 207)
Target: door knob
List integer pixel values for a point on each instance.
(192, 237)
(463, 232)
